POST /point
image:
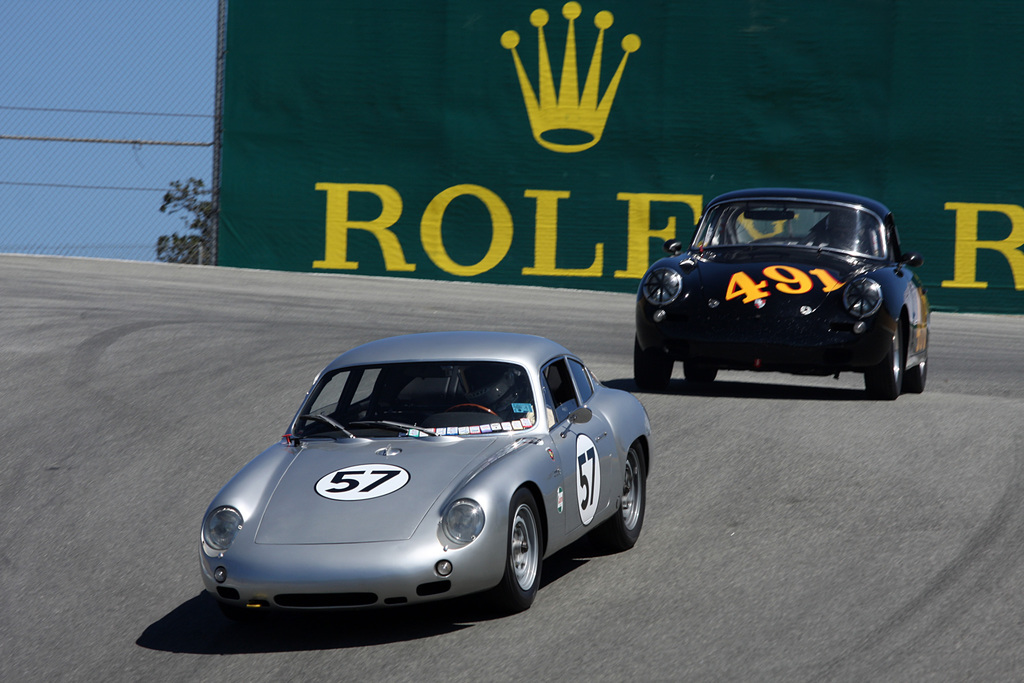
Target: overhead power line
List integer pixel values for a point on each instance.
(84, 187)
(108, 142)
(103, 111)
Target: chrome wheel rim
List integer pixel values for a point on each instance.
(632, 491)
(897, 358)
(524, 550)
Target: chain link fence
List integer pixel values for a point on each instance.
(105, 105)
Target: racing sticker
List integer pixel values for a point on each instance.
(525, 422)
(588, 478)
(362, 482)
(786, 279)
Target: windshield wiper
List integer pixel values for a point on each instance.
(394, 426)
(328, 420)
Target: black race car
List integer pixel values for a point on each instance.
(800, 281)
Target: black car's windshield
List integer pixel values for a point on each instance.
(419, 399)
(772, 223)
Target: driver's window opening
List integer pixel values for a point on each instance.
(558, 384)
(582, 377)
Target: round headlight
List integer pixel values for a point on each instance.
(221, 526)
(862, 297)
(463, 521)
(662, 286)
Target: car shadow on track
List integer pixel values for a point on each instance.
(198, 627)
(728, 389)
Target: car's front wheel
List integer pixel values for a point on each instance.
(524, 555)
(622, 531)
(914, 379)
(885, 380)
(652, 368)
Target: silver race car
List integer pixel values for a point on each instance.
(425, 467)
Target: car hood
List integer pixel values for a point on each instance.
(297, 514)
(824, 271)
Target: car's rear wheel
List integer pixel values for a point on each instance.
(622, 531)
(885, 380)
(524, 555)
(652, 368)
(699, 372)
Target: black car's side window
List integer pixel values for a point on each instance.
(559, 393)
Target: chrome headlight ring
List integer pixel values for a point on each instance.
(662, 286)
(221, 526)
(862, 298)
(462, 521)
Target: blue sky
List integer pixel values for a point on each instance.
(65, 67)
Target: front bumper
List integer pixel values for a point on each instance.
(818, 343)
(350, 575)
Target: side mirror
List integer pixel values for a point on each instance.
(673, 247)
(581, 415)
(912, 259)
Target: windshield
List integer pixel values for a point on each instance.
(443, 398)
(770, 223)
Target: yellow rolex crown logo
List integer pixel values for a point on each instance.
(555, 115)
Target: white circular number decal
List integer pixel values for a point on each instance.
(588, 478)
(362, 482)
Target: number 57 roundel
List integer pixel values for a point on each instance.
(362, 482)
(588, 478)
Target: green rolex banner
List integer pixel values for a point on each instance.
(561, 143)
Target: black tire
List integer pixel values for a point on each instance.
(652, 368)
(622, 531)
(913, 381)
(698, 372)
(524, 555)
(885, 380)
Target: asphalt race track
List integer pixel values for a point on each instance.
(796, 531)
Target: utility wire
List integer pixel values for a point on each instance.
(102, 111)
(107, 142)
(84, 187)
